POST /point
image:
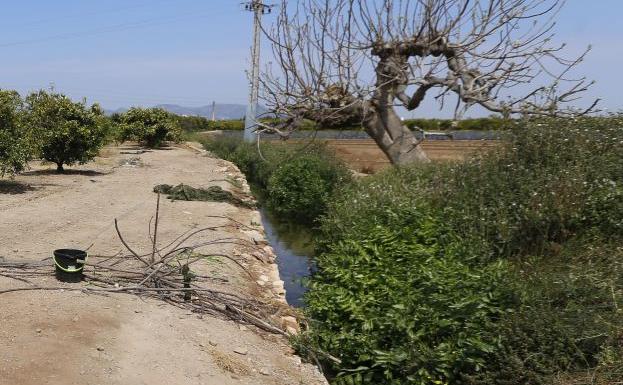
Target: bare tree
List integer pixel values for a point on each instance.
(359, 60)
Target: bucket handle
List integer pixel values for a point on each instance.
(71, 270)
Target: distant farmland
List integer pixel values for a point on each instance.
(365, 156)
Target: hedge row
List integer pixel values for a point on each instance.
(196, 123)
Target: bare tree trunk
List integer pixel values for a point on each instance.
(382, 122)
(393, 138)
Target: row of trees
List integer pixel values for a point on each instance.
(52, 127)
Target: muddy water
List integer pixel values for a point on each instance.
(293, 246)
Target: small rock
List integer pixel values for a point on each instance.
(241, 351)
(39, 331)
(279, 291)
(265, 371)
(100, 349)
(137, 311)
(213, 343)
(243, 328)
(290, 324)
(261, 283)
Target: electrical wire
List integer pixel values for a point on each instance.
(82, 15)
(114, 28)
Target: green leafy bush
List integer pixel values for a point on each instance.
(149, 126)
(296, 180)
(15, 143)
(529, 237)
(397, 308)
(300, 189)
(554, 179)
(66, 132)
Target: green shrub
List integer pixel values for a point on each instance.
(553, 179)
(226, 125)
(256, 164)
(296, 180)
(66, 132)
(568, 323)
(528, 237)
(149, 126)
(194, 123)
(300, 189)
(222, 146)
(15, 144)
(396, 308)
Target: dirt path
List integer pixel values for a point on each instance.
(73, 338)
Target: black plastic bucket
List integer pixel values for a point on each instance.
(69, 264)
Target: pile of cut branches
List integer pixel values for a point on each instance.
(184, 192)
(170, 274)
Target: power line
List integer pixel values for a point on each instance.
(114, 28)
(82, 15)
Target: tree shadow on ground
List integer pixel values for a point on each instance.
(136, 148)
(13, 187)
(65, 172)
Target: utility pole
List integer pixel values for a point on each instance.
(258, 8)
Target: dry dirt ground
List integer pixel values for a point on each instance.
(68, 337)
(363, 155)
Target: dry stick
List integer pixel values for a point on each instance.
(155, 271)
(108, 290)
(228, 257)
(15, 278)
(153, 252)
(254, 320)
(127, 246)
(207, 300)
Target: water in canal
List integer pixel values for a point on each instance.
(293, 247)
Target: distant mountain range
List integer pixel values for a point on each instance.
(223, 111)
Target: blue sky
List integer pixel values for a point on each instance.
(191, 52)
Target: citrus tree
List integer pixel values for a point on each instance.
(15, 148)
(67, 132)
(149, 126)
